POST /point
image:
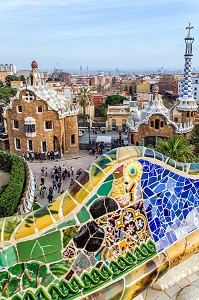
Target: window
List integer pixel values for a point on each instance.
(152, 123)
(188, 115)
(176, 120)
(72, 139)
(161, 124)
(40, 109)
(44, 146)
(196, 81)
(15, 124)
(195, 94)
(30, 128)
(17, 144)
(157, 124)
(30, 145)
(123, 121)
(48, 125)
(19, 109)
(195, 88)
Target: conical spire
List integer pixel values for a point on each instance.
(186, 100)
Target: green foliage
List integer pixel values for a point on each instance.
(11, 195)
(115, 100)
(195, 139)
(84, 98)
(177, 148)
(6, 93)
(10, 78)
(1, 83)
(22, 78)
(101, 111)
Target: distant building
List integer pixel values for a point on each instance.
(3, 75)
(155, 120)
(117, 116)
(38, 119)
(16, 84)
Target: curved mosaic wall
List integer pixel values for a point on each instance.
(127, 219)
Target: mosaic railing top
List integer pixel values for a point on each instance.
(20, 226)
(133, 208)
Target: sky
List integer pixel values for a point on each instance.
(100, 34)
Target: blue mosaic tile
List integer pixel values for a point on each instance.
(171, 202)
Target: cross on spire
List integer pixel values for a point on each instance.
(189, 27)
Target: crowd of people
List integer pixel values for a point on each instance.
(57, 176)
(50, 155)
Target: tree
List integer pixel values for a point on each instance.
(115, 100)
(84, 98)
(177, 148)
(10, 78)
(22, 78)
(195, 139)
(101, 110)
(6, 93)
(1, 83)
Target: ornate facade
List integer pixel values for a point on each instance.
(38, 119)
(155, 121)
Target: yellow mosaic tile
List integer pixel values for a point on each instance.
(43, 218)
(68, 205)
(55, 207)
(96, 174)
(26, 228)
(10, 225)
(123, 154)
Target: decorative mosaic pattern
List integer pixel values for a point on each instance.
(126, 220)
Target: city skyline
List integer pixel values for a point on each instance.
(99, 34)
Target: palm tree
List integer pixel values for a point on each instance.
(177, 148)
(84, 98)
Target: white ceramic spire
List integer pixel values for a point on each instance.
(186, 100)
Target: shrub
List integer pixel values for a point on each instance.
(11, 195)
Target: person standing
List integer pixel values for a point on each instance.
(50, 197)
(54, 182)
(43, 192)
(59, 186)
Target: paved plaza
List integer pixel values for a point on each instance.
(79, 160)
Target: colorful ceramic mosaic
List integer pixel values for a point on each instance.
(126, 220)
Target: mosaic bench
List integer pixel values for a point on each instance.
(127, 220)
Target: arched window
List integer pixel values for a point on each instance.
(161, 124)
(152, 123)
(157, 124)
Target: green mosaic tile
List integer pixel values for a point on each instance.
(8, 257)
(112, 154)
(83, 215)
(103, 162)
(109, 178)
(68, 223)
(53, 257)
(28, 245)
(105, 189)
(91, 200)
(42, 246)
